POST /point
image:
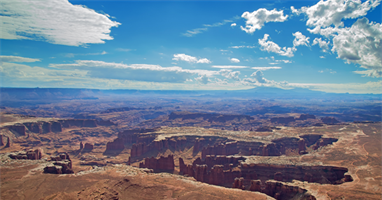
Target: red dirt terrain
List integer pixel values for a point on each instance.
(54, 158)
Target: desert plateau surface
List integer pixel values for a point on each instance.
(93, 144)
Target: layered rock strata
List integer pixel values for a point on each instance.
(222, 170)
(280, 191)
(60, 164)
(32, 154)
(159, 164)
(42, 127)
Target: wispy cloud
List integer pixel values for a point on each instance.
(229, 67)
(265, 68)
(54, 21)
(190, 59)
(242, 46)
(17, 59)
(122, 49)
(190, 33)
(71, 55)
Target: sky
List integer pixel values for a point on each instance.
(330, 46)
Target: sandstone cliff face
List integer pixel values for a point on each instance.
(238, 183)
(56, 127)
(329, 120)
(323, 142)
(42, 127)
(32, 154)
(17, 129)
(217, 170)
(160, 164)
(2, 140)
(33, 127)
(280, 191)
(139, 149)
(221, 149)
(198, 145)
(88, 147)
(131, 136)
(282, 120)
(230, 172)
(60, 164)
(211, 117)
(306, 116)
(116, 145)
(9, 143)
(286, 173)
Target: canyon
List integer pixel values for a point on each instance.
(180, 153)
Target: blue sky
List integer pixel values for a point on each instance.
(332, 46)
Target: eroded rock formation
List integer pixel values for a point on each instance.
(2, 139)
(9, 143)
(306, 116)
(280, 191)
(116, 145)
(42, 127)
(88, 147)
(329, 120)
(282, 120)
(60, 164)
(229, 148)
(160, 164)
(32, 154)
(222, 170)
(211, 117)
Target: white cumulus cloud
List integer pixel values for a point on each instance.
(331, 12)
(230, 74)
(54, 21)
(273, 47)
(233, 24)
(324, 45)
(300, 39)
(234, 60)
(361, 44)
(257, 19)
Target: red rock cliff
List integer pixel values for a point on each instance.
(162, 163)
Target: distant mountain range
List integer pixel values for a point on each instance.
(8, 94)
